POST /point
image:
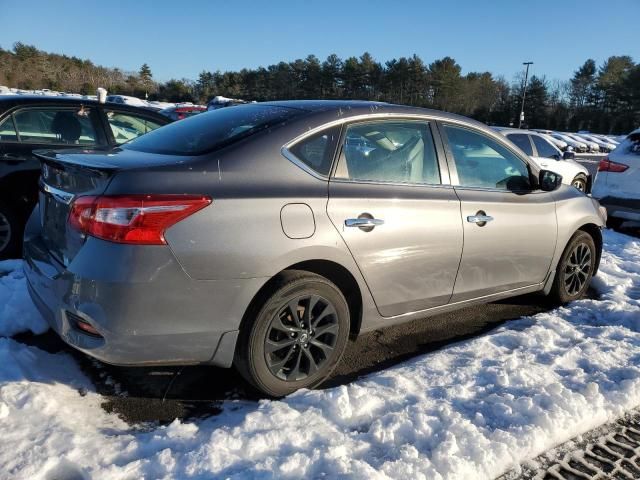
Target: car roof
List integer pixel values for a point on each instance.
(8, 102)
(507, 130)
(352, 108)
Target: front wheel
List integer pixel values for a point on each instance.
(580, 182)
(297, 336)
(575, 268)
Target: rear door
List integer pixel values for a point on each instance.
(509, 229)
(390, 199)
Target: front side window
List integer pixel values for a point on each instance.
(127, 126)
(544, 148)
(56, 126)
(389, 151)
(522, 142)
(316, 151)
(484, 162)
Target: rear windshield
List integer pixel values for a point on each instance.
(212, 130)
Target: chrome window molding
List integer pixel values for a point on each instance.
(432, 119)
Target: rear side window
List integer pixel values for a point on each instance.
(389, 151)
(522, 142)
(127, 126)
(544, 148)
(212, 130)
(316, 151)
(56, 126)
(7, 130)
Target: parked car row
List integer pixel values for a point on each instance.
(581, 142)
(548, 156)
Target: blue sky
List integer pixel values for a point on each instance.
(182, 38)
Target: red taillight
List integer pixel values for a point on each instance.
(137, 219)
(607, 165)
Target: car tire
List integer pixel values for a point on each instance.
(278, 353)
(575, 269)
(580, 182)
(10, 240)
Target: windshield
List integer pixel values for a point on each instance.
(209, 131)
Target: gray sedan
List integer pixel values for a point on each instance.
(263, 236)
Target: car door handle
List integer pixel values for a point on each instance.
(480, 218)
(363, 222)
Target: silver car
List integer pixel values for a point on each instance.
(264, 236)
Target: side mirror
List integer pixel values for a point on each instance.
(549, 181)
(569, 155)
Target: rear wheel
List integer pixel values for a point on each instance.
(297, 336)
(575, 269)
(580, 182)
(9, 236)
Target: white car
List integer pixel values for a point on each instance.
(617, 183)
(591, 146)
(575, 144)
(548, 157)
(604, 146)
(561, 144)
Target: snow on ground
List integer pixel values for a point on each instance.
(472, 410)
(17, 313)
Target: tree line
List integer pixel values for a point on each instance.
(603, 98)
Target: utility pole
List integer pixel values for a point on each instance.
(524, 93)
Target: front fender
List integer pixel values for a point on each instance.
(574, 211)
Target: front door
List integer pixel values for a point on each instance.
(510, 230)
(400, 220)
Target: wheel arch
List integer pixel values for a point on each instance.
(332, 271)
(594, 231)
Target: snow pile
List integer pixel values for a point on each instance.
(472, 410)
(17, 313)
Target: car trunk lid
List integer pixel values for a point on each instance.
(61, 182)
(69, 174)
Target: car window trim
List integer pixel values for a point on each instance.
(100, 140)
(556, 149)
(428, 123)
(293, 158)
(432, 119)
(455, 180)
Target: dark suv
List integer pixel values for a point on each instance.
(29, 123)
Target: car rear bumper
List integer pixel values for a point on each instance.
(625, 208)
(144, 306)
